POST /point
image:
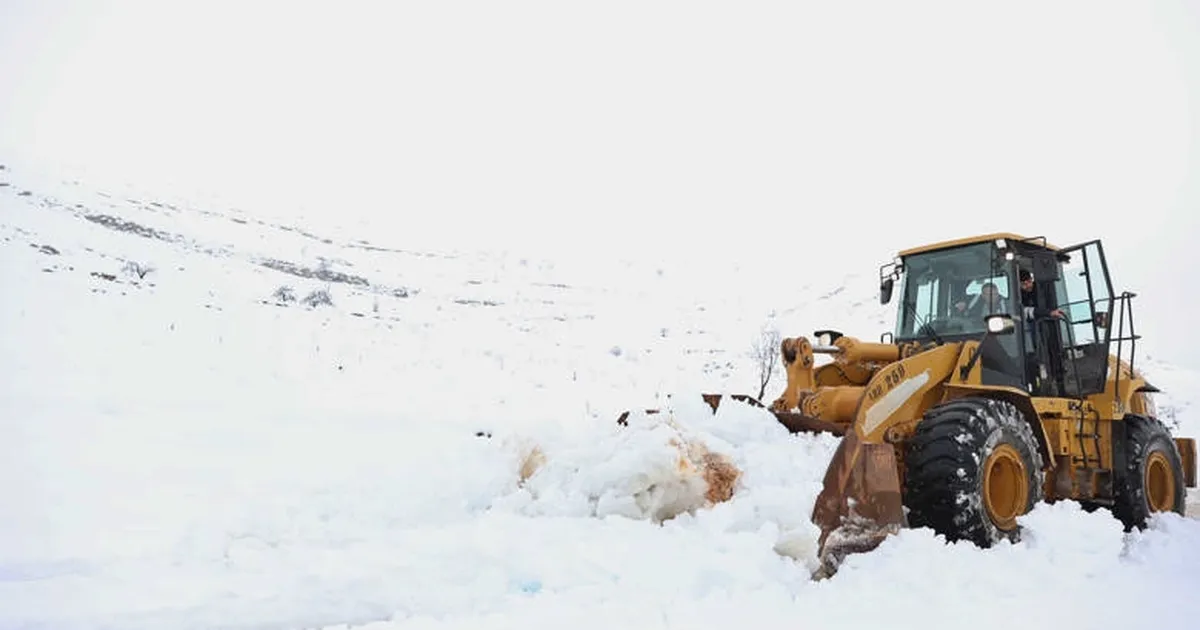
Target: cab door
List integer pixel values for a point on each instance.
(1084, 294)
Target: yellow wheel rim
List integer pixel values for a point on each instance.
(1159, 483)
(1005, 486)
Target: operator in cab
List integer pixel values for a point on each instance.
(1029, 300)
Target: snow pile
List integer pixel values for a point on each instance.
(734, 470)
(653, 471)
(655, 466)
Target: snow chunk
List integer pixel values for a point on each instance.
(654, 469)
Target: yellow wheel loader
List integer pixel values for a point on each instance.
(1008, 380)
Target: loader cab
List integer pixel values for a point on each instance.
(939, 291)
(941, 298)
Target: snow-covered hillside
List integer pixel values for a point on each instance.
(191, 437)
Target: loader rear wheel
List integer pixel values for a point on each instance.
(972, 467)
(1153, 477)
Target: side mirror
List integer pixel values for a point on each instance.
(826, 337)
(885, 291)
(1002, 324)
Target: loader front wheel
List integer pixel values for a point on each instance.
(972, 467)
(1005, 486)
(1153, 478)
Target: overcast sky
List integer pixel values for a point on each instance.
(707, 130)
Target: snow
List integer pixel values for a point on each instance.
(183, 451)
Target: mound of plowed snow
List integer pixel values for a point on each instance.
(733, 470)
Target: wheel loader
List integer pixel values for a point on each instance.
(987, 398)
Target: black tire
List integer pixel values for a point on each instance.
(946, 464)
(1148, 444)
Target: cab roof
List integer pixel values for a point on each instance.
(982, 238)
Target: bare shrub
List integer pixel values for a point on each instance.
(138, 269)
(319, 297)
(765, 353)
(284, 294)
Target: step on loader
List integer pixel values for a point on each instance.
(1008, 380)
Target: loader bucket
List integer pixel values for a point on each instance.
(793, 422)
(860, 504)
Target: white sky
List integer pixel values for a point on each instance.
(767, 131)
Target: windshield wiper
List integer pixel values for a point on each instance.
(923, 325)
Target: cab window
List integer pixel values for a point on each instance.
(938, 284)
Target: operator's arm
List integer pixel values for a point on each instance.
(1034, 312)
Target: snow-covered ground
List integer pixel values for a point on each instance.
(183, 445)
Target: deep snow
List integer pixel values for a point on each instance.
(184, 450)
